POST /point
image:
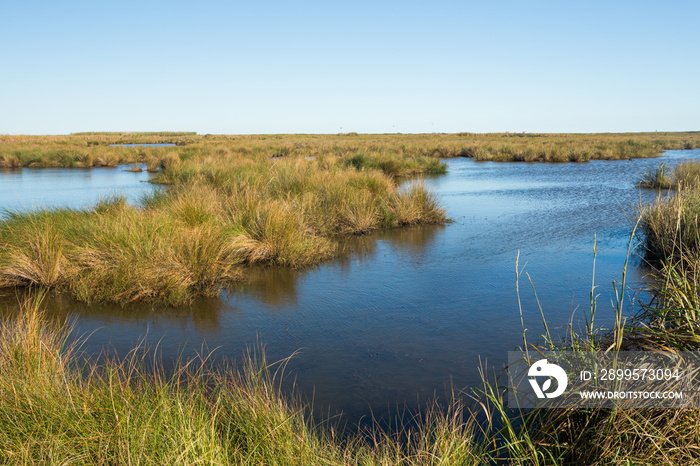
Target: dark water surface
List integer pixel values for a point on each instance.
(411, 312)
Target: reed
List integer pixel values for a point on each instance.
(684, 175)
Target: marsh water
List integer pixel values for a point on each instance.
(404, 315)
(31, 188)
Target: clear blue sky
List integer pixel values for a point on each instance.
(365, 66)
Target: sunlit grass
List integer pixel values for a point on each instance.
(360, 150)
(56, 409)
(684, 175)
(219, 215)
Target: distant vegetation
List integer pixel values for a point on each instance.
(235, 201)
(93, 149)
(135, 133)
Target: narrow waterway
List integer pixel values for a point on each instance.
(406, 314)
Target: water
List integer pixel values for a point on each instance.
(412, 312)
(29, 188)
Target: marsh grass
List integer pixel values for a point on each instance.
(615, 436)
(230, 205)
(684, 175)
(658, 178)
(56, 409)
(135, 168)
(669, 323)
(56, 406)
(670, 227)
(218, 216)
(671, 241)
(387, 152)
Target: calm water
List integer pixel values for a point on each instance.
(410, 312)
(29, 188)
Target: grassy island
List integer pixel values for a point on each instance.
(223, 211)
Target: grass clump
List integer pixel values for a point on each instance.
(135, 168)
(684, 175)
(670, 226)
(56, 409)
(220, 214)
(657, 178)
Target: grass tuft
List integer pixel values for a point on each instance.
(221, 213)
(684, 175)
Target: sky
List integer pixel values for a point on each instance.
(228, 67)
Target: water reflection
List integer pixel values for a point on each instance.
(77, 188)
(273, 286)
(204, 317)
(404, 314)
(276, 287)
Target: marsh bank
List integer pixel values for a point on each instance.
(405, 313)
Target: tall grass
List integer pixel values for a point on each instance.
(669, 226)
(614, 436)
(670, 322)
(684, 175)
(56, 409)
(219, 216)
(671, 241)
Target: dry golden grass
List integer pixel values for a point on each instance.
(395, 154)
(221, 213)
